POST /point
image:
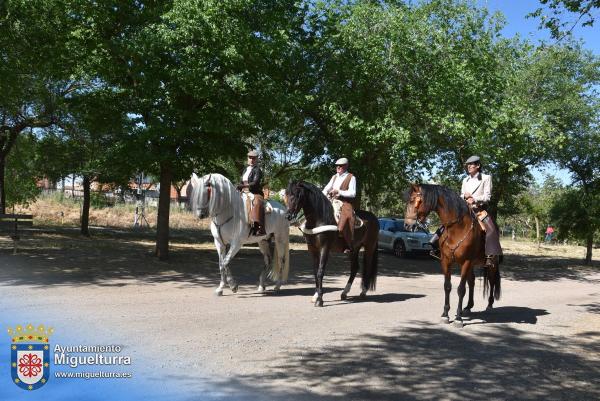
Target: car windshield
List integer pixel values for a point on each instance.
(400, 227)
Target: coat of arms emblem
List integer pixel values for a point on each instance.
(30, 356)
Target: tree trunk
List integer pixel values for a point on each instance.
(537, 230)
(588, 253)
(164, 204)
(2, 189)
(85, 212)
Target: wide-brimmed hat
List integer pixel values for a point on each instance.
(341, 162)
(253, 153)
(473, 159)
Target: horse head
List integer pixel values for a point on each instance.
(199, 197)
(416, 212)
(294, 199)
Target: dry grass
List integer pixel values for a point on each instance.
(47, 212)
(51, 210)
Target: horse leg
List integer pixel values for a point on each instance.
(233, 250)
(266, 252)
(323, 255)
(353, 271)
(447, 289)
(221, 249)
(315, 257)
(471, 303)
(461, 290)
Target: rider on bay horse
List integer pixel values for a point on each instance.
(477, 190)
(342, 186)
(252, 182)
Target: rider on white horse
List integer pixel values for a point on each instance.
(252, 183)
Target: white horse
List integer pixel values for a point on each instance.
(215, 196)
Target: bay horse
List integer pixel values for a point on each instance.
(322, 236)
(214, 196)
(462, 242)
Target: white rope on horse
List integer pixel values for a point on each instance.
(317, 230)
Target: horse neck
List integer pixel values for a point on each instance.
(446, 215)
(225, 210)
(312, 216)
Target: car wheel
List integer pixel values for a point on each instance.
(399, 249)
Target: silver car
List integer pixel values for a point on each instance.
(394, 237)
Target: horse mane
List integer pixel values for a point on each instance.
(319, 202)
(453, 202)
(225, 200)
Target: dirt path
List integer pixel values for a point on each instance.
(541, 342)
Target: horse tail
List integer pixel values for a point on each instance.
(370, 262)
(371, 253)
(374, 269)
(486, 281)
(286, 259)
(491, 277)
(497, 289)
(282, 251)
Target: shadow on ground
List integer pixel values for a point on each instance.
(60, 256)
(423, 362)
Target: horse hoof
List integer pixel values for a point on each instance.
(276, 288)
(459, 324)
(314, 299)
(466, 312)
(489, 308)
(319, 303)
(261, 288)
(444, 320)
(234, 289)
(218, 292)
(362, 296)
(344, 296)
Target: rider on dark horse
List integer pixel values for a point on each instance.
(477, 190)
(252, 182)
(342, 186)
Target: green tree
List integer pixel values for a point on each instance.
(196, 75)
(88, 144)
(577, 215)
(583, 10)
(21, 175)
(35, 73)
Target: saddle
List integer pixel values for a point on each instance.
(481, 215)
(248, 198)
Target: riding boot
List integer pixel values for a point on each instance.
(435, 243)
(260, 230)
(435, 246)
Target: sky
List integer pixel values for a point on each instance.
(515, 12)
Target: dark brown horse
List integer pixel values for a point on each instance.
(321, 235)
(462, 242)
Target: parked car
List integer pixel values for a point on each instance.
(394, 237)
